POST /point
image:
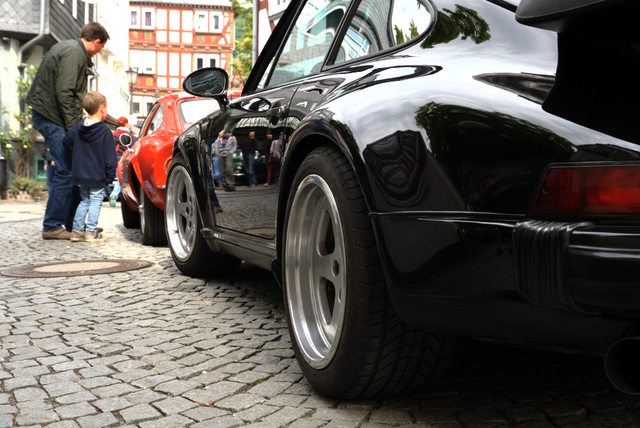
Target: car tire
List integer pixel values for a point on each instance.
(130, 218)
(347, 337)
(189, 250)
(151, 221)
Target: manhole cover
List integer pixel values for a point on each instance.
(78, 268)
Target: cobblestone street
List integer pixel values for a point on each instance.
(152, 348)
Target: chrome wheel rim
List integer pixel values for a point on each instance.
(141, 208)
(181, 213)
(315, 271)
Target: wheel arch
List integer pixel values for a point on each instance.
(186, 146)
(312, 133)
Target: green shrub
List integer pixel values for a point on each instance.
(27, 184)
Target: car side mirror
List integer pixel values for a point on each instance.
(207, 82)
(125, 140)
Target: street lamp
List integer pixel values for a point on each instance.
(132, 77)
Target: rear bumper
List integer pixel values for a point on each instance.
(560, 285)
(578, 266)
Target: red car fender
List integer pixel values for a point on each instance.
(148, 162)
(129, 194)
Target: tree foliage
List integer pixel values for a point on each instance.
(243, 51)
(22, 140)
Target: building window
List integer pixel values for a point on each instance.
(215, 22)
(201, 21)
(136, 106)
(174, 20)
(199, 61)
(148, 62)
(162, 64)
(135, 18)
(135, 60)
(213, 60)
(186, 64)
(174, 64)
(148, 18)
(187, 20)
(161, 19)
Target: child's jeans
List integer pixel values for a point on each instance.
(90, 204)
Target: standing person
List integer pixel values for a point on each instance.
(249, 147)
(274, 158)
(123, 128)
(225, 145)
(93, 162)
(56, 99)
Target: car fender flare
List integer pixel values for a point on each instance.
(191, 156)
(315, 130)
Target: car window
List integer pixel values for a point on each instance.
(196, 109)
(309, 40)
(156, 120)
(382, 24)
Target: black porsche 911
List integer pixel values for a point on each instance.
(447, 168)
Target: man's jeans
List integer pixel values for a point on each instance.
(59, 212)
(248, 161)
(89, 206)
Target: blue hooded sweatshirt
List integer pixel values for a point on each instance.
(92, 153)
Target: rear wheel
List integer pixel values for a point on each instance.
(189, 250)
(130, 218)
(151, 221)
(348, 339)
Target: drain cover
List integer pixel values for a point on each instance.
(77, 268)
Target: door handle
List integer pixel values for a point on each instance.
(276, 113)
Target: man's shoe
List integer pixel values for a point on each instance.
(56, 234)
(112, 199)
(78, 235)
(217, 210)
(94, 236)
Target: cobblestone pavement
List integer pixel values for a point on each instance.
(152, 348)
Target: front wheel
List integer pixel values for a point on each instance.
(348, 339)
(189, 250)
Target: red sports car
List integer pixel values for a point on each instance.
(142, 170)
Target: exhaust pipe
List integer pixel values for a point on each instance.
(622, 365)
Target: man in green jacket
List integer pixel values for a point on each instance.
(56, 99)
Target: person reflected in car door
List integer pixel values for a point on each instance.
(225, 146)
(249, 147)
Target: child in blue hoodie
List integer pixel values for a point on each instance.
(93, 165)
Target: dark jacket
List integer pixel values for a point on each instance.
(249, 146)
(61, 83)
(93, 157)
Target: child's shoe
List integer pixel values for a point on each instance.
(78, 235)
(112, 199)
(94, 236)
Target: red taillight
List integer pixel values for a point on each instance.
(599, 189)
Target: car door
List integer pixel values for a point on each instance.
(268, 111)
